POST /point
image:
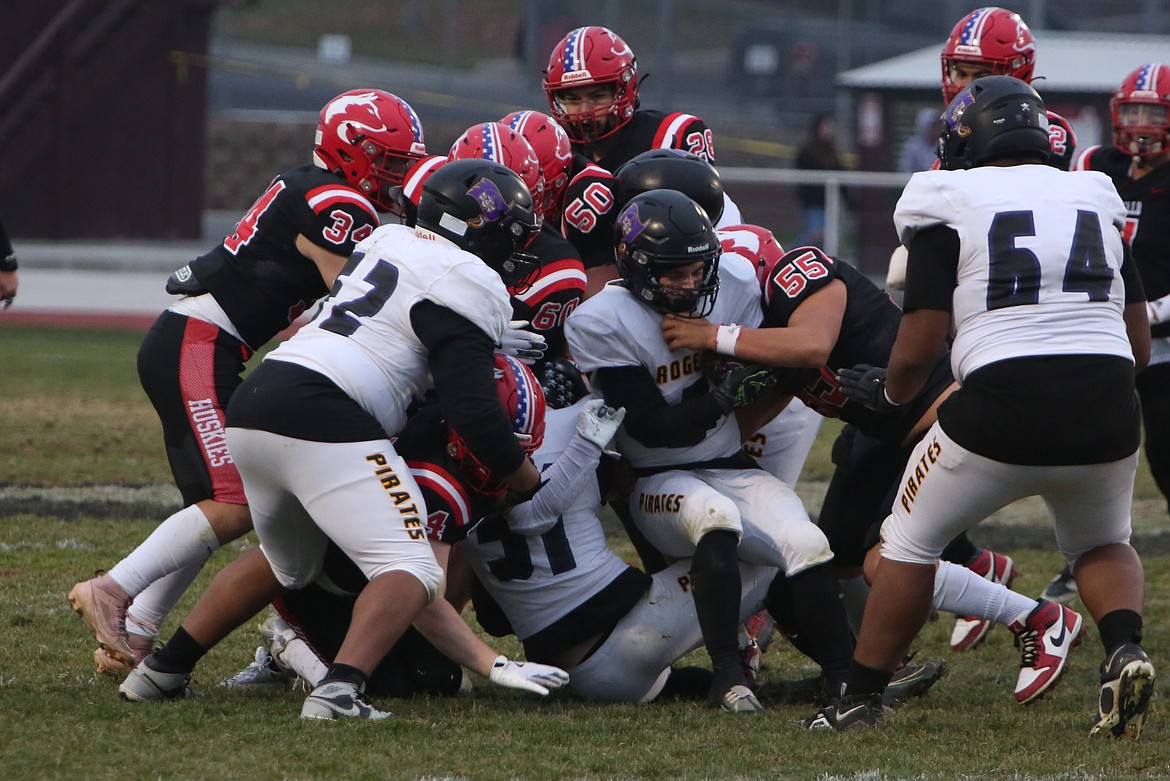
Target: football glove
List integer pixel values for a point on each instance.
(525, 346)
(866, 385)
(530, 676)
(598, 423)
(742, 385)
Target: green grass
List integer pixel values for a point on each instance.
(74, 415)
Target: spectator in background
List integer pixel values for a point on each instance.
(817, 153)
(918, 152)
(8, 266)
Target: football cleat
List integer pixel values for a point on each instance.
(740, 699)
(1127, 681)
(970, 631)
(1045, 638)
(263, 673)
(1062, 588)
(849, 712)
(339, 700)
(146, 683)
(913, 680)
(108, 664)
(102, 604)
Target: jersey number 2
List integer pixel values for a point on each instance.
(1014, 271)
(383, 278)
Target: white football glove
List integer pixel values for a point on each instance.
(533, 677)
(598, 423)
(525, 346)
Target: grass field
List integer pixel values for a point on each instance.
(75, 420)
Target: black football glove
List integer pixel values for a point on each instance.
(866, 385)
(742, 385)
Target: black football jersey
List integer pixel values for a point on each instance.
(869, 326)
(1147, 222)
(649, 129)
(556, 291)
(258, 276)
(587, 217)
(589, 208)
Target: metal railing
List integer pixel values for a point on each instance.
(833, 181)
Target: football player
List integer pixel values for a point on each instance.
(284, 254)
(1036, 337)
(698, 495)
(591, 83)
(822, 317)
(413, 308)
(458, 490)
(541, 307)
(1139, 165)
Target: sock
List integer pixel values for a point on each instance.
(182, 539)
(856, 592)
(343, 673)
(865, 681)
(180, 654)
(302, 660)
(960, 591)
(151, 607)
(820, 611)
(1119, 627)
(716, 586)
(960, 550)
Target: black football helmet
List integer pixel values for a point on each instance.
(485, 208)
(671, 169)
(660, 231)
(993, 117)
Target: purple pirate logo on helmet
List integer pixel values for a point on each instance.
(631, 224)
(491, 200)
(953, 116)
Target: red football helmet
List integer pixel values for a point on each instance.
(523, 400)
(1141, 111)
(501, 144)
(588, 56)
(755, 243)
(551, 145)
(991, 36)
(369, 137)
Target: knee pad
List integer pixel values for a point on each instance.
(708, 511)
(807, 547)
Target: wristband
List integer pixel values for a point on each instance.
(8, 263)
(725, 338)
(886, 393)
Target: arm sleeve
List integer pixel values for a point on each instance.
(576, 464)
(932, 265)
(649, 419)
(459, 355)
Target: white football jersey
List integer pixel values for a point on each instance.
(614, 329)
(1039, 260)
(538, 579)
(362, 338)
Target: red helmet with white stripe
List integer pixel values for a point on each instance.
(755, 243)
(591, 56)
(522, 398)
(501, 144)
(370, 138)
(992, 37)
(1141, 111)
(553, 150)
